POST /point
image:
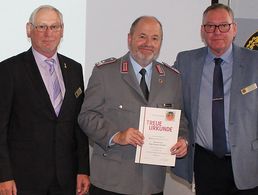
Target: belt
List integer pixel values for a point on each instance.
(209, 152)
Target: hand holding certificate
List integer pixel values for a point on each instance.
(160, 128)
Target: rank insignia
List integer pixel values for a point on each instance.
(124, 67)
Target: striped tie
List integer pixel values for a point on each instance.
(56, 96)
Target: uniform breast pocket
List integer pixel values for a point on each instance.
(125, 115)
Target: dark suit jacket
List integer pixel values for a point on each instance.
(35, 144)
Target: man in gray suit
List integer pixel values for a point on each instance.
(111, 110)
(233, 168)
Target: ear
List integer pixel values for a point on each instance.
(129, 39)
(62, 31)
(235, 29)
(28, 29)
(202, 32)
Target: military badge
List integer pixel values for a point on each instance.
(252, 42)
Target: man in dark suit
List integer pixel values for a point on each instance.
(42, 149)
(229, 120)
(111, 110)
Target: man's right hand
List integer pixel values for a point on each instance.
(130, 136)
(8, 188)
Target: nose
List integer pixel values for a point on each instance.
(217, 31)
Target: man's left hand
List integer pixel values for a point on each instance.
(83, 184)
(180, 148)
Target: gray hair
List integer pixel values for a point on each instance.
(35, 12)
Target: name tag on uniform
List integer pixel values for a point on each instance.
(248, 89)
(78, 92)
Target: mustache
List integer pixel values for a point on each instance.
(146, 47)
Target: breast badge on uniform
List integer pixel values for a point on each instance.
(106, 61)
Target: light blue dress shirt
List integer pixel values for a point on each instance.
(204, 122)
(137, 67)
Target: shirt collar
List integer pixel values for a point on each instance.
(40, 59)
(226, 56)
(137, 67)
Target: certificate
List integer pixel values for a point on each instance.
(160, 128)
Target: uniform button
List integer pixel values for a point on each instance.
(104, 154)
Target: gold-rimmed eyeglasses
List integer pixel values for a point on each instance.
(43, 27)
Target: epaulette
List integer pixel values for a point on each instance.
(106, 61)
(171, 67)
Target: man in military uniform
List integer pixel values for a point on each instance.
(111, 109)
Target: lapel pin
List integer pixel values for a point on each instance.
(78, 92)
(65, 65)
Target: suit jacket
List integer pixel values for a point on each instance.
(35, 144)
(243, 114)
(112, 103)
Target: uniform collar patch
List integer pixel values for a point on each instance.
(160, 70)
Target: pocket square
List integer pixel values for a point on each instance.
(78, 92)
(248, 89)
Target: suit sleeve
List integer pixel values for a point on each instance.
(92, 116)
(82, 140)
(6, 86)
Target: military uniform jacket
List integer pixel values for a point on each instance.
(112, 103)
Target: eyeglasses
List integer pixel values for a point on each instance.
(211, 28)
(43, 27)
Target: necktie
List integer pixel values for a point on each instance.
(56, 96)
(218, 118)
(143, 84)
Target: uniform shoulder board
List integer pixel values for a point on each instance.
(171, 67)
(106, 61)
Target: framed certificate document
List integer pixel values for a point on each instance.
(160, 128)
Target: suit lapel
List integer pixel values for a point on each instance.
(158, 80)
(195, 79)
(128, 75)
(64, 69)
(237, 80)
(36, 80)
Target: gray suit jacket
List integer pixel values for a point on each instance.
(243, 115)
(112, 103)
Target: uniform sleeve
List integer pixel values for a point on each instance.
(92, 118)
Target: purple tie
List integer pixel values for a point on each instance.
(56, 96)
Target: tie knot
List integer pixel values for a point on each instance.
(142, 72)
(50, 63)
(218, 61)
